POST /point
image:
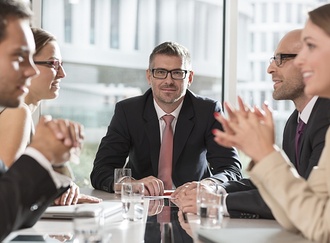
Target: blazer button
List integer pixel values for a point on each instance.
(34, 207)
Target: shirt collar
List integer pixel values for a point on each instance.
(306, 112)
(161, 113)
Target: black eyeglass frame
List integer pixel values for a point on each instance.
(56, 64)
(169, 71)
(278, 58)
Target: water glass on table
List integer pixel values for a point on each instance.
(132, 197)
(88, 228)
(119, 175)
(209, 206)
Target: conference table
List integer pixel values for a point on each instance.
(173, 231)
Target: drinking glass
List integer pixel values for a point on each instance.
(88, 229)
(209, 206)
(132, 197)
(119, 175)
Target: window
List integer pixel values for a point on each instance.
(67, 21)
(92, 24)
(288, 12)
(114, 24)
(257, 86)
(252, 42)
(276, 39)
(253, 7)
(262, 69)
(263, 11)
(263, 42)
(276, 12)
(300, 16)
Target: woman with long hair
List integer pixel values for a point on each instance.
(298, 205)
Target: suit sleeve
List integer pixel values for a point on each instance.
(112, 152)
(237, 186)
(26, 190)
(247, 204)
(245, 191)
(224, 162)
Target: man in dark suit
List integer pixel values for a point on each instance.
(242, 199)
(31, 184)
(311, 148)
(136, 129)
(315, 112)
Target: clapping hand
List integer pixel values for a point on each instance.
(250, 130)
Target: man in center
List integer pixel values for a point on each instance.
(138, 131)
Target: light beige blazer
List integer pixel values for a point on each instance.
(298, 205)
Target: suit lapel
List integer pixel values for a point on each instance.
(306, 132)
(289, 136)
(183, 127)
(152, 131)
(3, 168)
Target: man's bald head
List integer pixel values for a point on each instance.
(291, 43)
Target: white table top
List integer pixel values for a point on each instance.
(233, 230)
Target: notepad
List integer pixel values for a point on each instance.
(91, 210)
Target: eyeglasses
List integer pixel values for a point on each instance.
(278, 58)
(56, 64)
(175, 74)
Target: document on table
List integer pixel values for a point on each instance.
(91, 210)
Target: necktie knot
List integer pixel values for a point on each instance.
(300, 126)
(168, 119)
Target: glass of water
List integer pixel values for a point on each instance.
(132, 197)
(209, 206)
(88, 228)
(119, 175)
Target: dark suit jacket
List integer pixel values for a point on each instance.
(312, 143)
(134, 132)
(26, 190)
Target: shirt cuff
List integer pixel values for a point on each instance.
(59, 180)
(212, 183)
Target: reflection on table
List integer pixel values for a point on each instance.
(161, 223)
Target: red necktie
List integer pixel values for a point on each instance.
(166, 154)
(299, 131)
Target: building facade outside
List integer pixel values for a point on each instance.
(269, 21)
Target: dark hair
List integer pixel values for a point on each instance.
(41, 38)
(321, 17)
(171, 49)
(12, 8)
